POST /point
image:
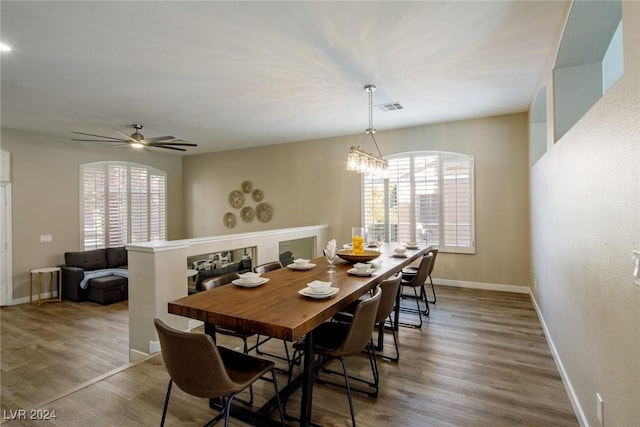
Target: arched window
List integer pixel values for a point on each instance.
(120, 203)
(428, 198)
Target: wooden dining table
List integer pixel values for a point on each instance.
(277, 310)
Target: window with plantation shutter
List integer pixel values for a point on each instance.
(121, 203)
(427, 198)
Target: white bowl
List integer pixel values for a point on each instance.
(319, 287)
(249, 277)
(400, 250)
(412, 244)
(361, 267)
(300, 262)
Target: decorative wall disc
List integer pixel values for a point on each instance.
(247, 214)
(236, 199)
(247, 186)
(264, 212)
(229, 220)
(257, 195)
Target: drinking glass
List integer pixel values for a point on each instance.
(331, 257)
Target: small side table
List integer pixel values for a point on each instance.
(40, 272)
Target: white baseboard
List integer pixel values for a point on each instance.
(25, 300)
(577, 408)
(136, 355)
(480, 285)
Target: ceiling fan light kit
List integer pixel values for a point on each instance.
(137, 140)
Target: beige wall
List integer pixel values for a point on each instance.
(306, 183)
(44, 180)
(585, 197)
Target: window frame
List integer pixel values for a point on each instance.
(411, 156)
(155, 222)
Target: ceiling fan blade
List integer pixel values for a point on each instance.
(99, 136)
(167, 147)
(180, 144)
(101, 140)
(159, 138)
(127, 137)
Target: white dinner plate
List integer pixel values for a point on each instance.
(365, 273)
(293, 266)
(244, 284)
(307, 293)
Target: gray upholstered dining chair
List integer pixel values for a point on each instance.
(389, 289)
(202, 369)
(416, 281)
(413, 270)
(339, 340)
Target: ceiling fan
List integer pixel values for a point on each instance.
(137, 140)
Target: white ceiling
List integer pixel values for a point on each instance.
(229, 75)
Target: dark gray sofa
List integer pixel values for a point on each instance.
(106, 289)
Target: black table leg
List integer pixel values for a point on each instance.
(307, 381)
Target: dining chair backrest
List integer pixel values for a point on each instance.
(423, 272)
(193, 362)
(269, 266)
(361, 326)
(216, 281)
(388, 299)
(434, 251)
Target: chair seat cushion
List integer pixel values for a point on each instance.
(244, 369)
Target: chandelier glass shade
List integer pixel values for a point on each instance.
(359, 160)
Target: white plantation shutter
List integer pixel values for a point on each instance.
(157, 204)
(92, 205)
(121, 203)
(139, 204)
(117, 205)
(400, 202)
(428, 198)
(457, 201)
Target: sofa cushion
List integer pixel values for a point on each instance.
(87, 260)
(107, 282)
(116, 257)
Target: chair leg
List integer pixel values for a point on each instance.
(374, 368)
(417, 310)
(275, 386)
(346, 384)
(166, 402)
(381, 329)
(433, 289)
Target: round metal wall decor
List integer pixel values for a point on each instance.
(264, 212)
(236, 199)
(246, 186)
(229, 220)
(247, 214)
(257, 195)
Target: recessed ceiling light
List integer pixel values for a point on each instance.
(4, 48)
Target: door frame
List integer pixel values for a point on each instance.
(6, 272)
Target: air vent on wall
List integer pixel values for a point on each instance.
(393, 106)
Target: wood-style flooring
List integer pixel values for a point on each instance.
(481, 359)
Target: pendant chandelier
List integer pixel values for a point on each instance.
(359, 160)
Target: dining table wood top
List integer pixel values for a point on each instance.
(276, 309)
